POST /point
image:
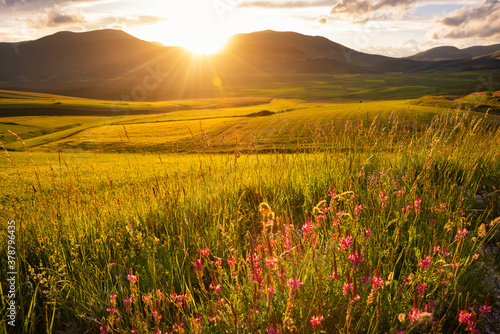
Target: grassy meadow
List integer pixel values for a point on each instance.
(252, 215)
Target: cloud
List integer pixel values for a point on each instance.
(54, 18)
(476, 22)
(405, 49)
(128, 21)
(362, 11)
(37, 5)
(290, 4)
(322, 20)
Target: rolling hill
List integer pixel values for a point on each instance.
(111, 64)
(453, 53)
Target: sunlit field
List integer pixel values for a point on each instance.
(280, 216)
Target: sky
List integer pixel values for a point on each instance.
(388, 27)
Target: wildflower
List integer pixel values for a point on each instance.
(425, 263)
(112, 296)
(461, 234)
(205, 252)
(417, 204)
(356, 259)
(104, 330)
(357, 210)
(335, 276)
(217, 288)
(429, 306)
(400, 192)
(231, 261)
(468, 318)
(485, 309)
(436, 249)
(402, 317)
(179, 326)
(413, 315)
(421, 288)
(293, 283)
(218, 263)
(345, 243)
(132, 278)
(111, 310)
(271, 291)
(383, 198)
(273, 330)
(443, 206)
(128, 301)
(308, 228)
(271, 262)
(346, 287)
(156, 316)
(367, 233)
(316, 322)
(320, 218)
(377, 282)
(112, 264)
(198, 264)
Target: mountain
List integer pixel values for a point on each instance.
(452, 53)
(73, 56)
(298, 46)
(111, 64)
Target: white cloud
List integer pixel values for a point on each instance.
(362, 11)
(481, 21)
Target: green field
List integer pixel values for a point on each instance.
(251, 214)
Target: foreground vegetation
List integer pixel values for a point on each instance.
(361, 225)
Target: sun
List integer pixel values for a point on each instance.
(204, 45)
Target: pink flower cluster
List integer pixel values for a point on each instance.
(425, 263)
(316, 322)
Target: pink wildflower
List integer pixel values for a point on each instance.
(132, 278)
(128, 301)
(198, 264)
(231, 261)
(425, 263)
(356, 259)
(461, 234)
(335, 276)
(345, 243)
(468, 318)
(205, 252)
(485, 309)
(273, 330)
(417, 204)
(316, 322)
(357, 210)
(377, 282)
(368, 233)
(293, 283)
(346, 288)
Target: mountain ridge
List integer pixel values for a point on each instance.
(110, 64)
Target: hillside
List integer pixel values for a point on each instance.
(453, 53)
(113, 65)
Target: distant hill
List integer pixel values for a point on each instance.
(73, 56)
(453, 53)
(111, 64)
(298, 46)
